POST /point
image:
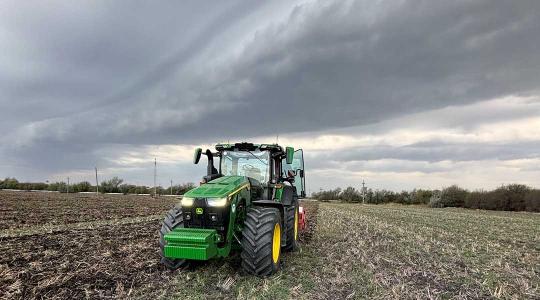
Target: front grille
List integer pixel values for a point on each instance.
(199, 215)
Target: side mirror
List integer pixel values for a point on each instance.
(301, 172)
(197, 155)
(289, 151)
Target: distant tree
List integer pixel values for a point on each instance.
(532, 201)
(507, 197)
(476, 199)
(143, 190)
(452, 196)
(370, 194)
(421, 196)
(350, 194)
(404, 197)
(111, 186)
(159, 190)
(328, 195)
(10, 183)
(58, 186)
(24, 186)
(53, 186)
(511, 197)
(40, 186)
(378, 197)
(435, 199)
(181, 189)
(79, 187)
(127, 188)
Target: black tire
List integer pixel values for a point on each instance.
(173, 219)
(292, 232)
(258, 239)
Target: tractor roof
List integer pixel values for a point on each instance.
(249, 147)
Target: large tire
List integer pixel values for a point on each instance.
(261, 234)
(292, 228)
(173, 219)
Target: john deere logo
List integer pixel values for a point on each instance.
(199, 210)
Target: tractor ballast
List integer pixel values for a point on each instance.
(191, 243)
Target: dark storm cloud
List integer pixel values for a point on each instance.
(344, 65)
(70, 58)
(144, 76)
(436, 151)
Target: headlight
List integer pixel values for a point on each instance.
(217, 202)
(187, 201)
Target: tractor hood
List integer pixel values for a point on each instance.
(219, 188)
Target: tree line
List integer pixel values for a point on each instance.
(113, 185)
(512, 197)
(351, 194)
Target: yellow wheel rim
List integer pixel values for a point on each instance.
(276, 243)
(296, 224)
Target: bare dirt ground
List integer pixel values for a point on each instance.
(348, 252)
(25, 209)
(98, 262)
(110, 253)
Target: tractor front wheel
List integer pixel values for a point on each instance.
(261, 241)
(173, 219)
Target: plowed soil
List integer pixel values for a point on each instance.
(26, 209)
(110, 254)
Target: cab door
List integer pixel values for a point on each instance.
(298, 167)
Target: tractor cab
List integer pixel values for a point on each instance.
(266, 165)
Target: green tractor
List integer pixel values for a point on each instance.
(247, 204)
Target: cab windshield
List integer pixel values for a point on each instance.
(252, 164)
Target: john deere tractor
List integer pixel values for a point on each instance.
(247, 203)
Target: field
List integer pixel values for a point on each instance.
(88, 246)
(30, 209)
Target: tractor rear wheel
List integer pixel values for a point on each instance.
(173, 219)
(292, 228)
(261, 241)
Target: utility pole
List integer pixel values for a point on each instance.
(171, 187)
(68, 185)
(155, 174)
(363, 192)
(97, 184)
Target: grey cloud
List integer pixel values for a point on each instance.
(436, 151)
(338, 71)
(426, 157)
(86, 57)
(329, 63)
(114, 75)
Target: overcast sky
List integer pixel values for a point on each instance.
(403, 94)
